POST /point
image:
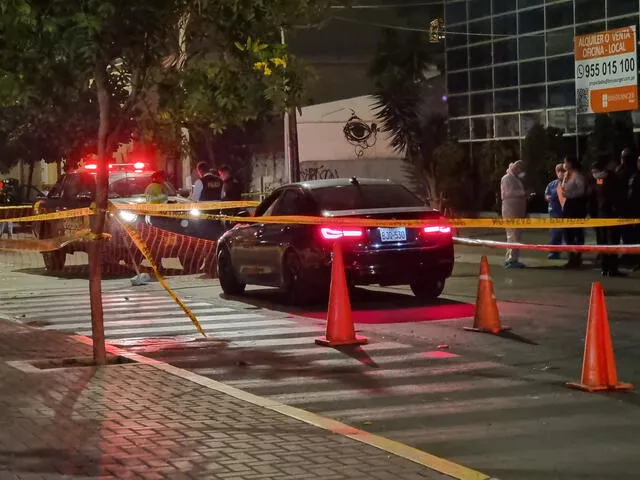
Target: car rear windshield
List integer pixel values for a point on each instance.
(362, 197)
(133, 185)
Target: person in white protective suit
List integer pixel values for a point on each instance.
(514, 205)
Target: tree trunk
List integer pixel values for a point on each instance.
(95, 247)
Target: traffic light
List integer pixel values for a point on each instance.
(436, 30)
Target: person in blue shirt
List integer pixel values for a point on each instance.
(555, 208)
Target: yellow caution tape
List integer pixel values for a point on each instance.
(516, 223)
(183, 207)
(147, 254)
(16, 207)
(77, 212)
(41, 244)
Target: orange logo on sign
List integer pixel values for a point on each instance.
(614, 99)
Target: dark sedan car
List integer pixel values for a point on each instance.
(297, 258)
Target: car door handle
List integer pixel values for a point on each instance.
(286, 228)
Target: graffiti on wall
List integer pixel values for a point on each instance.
(360, 134)
(318, 173)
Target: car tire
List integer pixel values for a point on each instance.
(296, 288)
(54, 261)
(427, 290)
(227, 276)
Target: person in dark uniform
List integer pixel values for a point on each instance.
(608, 201)
(624, 171)
(231, 190)
(209, 187)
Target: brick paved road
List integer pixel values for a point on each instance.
(135, 421)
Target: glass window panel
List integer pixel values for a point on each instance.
(532, 98)
(624, 22)
(528, 3)
(505, 25)
(532, 72)
(480, 55)
(559, 14)
(456, 36)
(481, 79)
(455, 12)
(457, 59)
(458, 106)
(589, 10)
(560, 68)
(615, 8)
(562, 95)
(501, 6)
(528, 120)
(505, 51)
(507, 100)
(481, 103)
(531, 20)
(459, 128)
(507, 126)
(560, 41)
(480, 31)
(590, 28)
(482, 127)
(458, 82)
(479, 8)
(531, 46)
(506, 76)
(562, 119)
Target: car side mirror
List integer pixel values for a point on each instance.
(243, 213)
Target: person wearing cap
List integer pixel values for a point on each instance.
(208, 187)
(553, 195)
(514, 205)
(156, 191)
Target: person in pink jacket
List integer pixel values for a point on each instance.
(514, 205)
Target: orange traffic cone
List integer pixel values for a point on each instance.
(487, 317)
(340, 328)
(599, 364)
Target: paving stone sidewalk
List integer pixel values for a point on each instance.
(134, 421)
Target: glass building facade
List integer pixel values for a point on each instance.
(510, 63)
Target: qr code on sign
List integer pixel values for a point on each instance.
(582, 100)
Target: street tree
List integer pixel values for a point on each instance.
(542, 149)
(124, 53)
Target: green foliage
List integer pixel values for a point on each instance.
(542, 149)
(491, 161)
(611, 134)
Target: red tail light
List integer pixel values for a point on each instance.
(330, 233)
(442, 230)
(138, 165)
(91, 166)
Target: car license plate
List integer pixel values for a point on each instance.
(393, 234)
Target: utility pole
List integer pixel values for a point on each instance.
(291, 151)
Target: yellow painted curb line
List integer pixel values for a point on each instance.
(415, 455)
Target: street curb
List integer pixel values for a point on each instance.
(398, 449)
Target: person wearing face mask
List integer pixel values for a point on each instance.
(514, 205)
(608, 201)
(574, 189)
(555, 199)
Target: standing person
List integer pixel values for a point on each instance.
(514, 205)
(608, 202)
(208, 187)
(231, 190)
(625, 170)
(555, 199)
(156, 191)
(574, 189)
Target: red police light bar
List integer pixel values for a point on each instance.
(139, 165)
(91, 166)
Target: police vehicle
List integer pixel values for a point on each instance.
(166, 237)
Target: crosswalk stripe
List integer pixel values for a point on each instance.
(132, 309)
(113, 333)
(136, 315)
(301, 398)
(61, 305)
